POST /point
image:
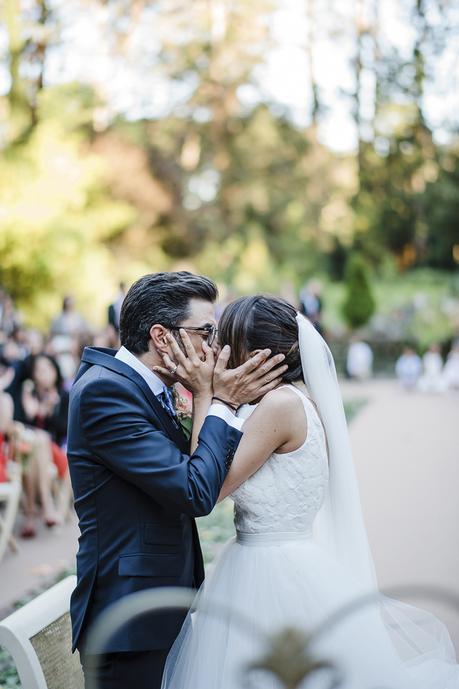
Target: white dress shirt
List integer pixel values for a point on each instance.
(156, 385)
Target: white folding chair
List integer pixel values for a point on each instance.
(10, 493)
(38, 637)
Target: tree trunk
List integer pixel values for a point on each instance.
(310, 40)
(360, 31)
(17, 101)
(39, 56)
(376, 65)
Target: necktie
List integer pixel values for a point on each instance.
(166, 399)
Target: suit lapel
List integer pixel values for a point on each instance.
(106, 357)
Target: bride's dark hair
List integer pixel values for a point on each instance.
(261, 322)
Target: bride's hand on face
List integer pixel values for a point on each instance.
(187, 368)
(251, 380)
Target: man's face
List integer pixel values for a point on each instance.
(202, 315)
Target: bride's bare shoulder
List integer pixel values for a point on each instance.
(281, 415)
(282, 400)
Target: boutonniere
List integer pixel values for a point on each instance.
(184, 410)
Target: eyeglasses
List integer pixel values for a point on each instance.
(209, 331)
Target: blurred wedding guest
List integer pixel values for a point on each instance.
(104, 338)
(2, 299)
(44, 400)
(114, 310)
(45, 403)
(408, 368)
(6, 427)
(9, 317)
(359, 362)
(432, 379)
(310, 300)
(32, 449)
(35, 342)
(311, 303)
(7, 372)
(451, 369)
(66, 351)
(6, 413)
(10, 356)
(11, 352)
(20, 337)
(6, 421)
(10, 359)
(69, 322)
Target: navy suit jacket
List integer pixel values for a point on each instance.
(137, 492)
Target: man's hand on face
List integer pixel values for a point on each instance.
(186, 367)
(251, 380)
(205, 378)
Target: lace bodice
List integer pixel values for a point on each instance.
(286, 493)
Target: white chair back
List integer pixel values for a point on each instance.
(38, 637)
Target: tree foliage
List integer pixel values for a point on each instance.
(359, 304)
(222, 179)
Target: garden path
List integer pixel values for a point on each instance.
(406, 451)
(38, 562)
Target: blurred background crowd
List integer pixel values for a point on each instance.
(37, 370)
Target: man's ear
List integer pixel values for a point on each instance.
(158, 336)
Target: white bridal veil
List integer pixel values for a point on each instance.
(275, 583)
(419, 638)
(339, 525)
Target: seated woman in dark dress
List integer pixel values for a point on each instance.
(45, 405)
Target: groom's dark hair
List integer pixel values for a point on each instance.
(160, 298)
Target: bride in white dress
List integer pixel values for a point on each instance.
(300, 551)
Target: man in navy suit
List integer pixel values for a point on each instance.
(138, 482)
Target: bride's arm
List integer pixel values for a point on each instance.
(278, 423)
(201, 405)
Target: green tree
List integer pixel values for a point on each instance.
(57, 215)
(359, 304)
(442, 215)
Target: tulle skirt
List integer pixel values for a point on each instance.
(264, 583)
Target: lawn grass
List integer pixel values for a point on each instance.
(418, 305)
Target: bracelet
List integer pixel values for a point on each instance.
(234, 407)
